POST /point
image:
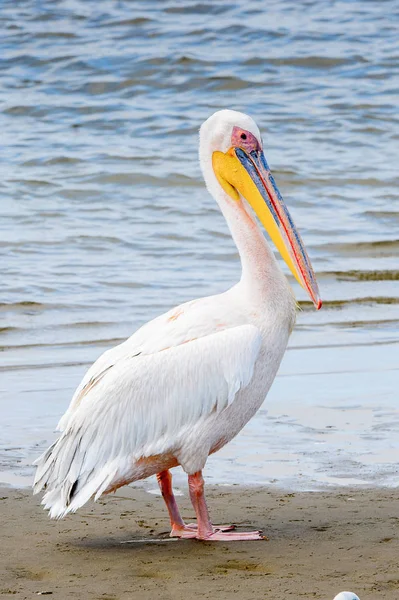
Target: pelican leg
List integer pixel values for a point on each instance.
(206, 531)
(179, 527)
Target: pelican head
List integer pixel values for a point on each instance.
(232, 161)
(346, 596)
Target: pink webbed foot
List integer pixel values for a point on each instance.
(206, 531)
(190, 531)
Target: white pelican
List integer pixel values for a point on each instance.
(186, 383)
(346, 596)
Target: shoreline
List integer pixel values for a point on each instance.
(319, 543)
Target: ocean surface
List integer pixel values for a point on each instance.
(105, 221)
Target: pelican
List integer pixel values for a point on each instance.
(184, 384)
(346, 596)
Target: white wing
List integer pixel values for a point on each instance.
(187, 322)
(143, 406)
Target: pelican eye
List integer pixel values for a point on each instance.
(243, 136)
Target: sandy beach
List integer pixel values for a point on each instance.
(318, 544)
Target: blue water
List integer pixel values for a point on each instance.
(105, 221)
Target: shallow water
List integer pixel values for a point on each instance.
(105, 222)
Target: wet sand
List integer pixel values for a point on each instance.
(319, 543)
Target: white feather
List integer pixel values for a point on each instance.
(144, 406)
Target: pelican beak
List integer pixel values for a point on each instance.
(248, 174)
